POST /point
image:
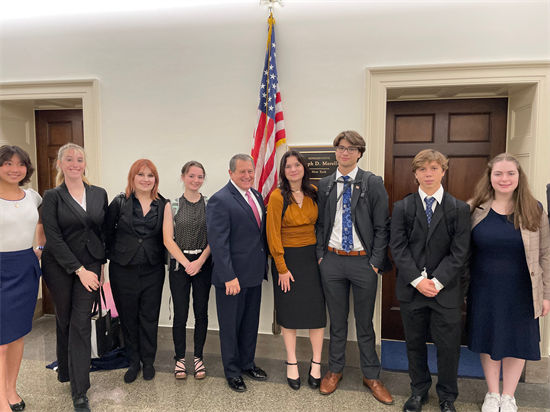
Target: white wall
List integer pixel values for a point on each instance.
(183, 84)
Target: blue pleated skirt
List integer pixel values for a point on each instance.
(19, 276)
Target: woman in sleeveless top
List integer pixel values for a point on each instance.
(191, 265)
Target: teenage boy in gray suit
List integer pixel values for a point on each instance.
(353, 230)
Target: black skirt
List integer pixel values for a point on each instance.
(303, 306)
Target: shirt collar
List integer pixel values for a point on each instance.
(241, 191)
(438, 195)
(351, 174)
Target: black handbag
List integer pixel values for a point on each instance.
(102, 338)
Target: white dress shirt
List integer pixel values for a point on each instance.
(438, 195)
(253, 196)
(335, 240)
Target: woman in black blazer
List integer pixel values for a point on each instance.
(136, 270)
(72, 265)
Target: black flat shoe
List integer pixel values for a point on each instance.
(256, 373)
(132, 373)
(447, 406)
(81, 404)
(148, 372)
(237, 384)
(313, 383)
(17, 407)
(293, 383)
(414, 403)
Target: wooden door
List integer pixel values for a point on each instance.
(54, 128)
(470, 132)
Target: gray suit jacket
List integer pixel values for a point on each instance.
(370, 216)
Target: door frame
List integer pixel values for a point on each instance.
(87, 90)
(378, 80)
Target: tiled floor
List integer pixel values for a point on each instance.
(39, 387)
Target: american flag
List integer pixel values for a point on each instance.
(269, 132)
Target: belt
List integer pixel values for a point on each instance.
(344, 253)
(192, 252)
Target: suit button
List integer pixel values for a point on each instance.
(262, 250)
(87, 240)
(140, 240)
(428, 252)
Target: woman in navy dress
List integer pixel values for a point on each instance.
(19, 268)
(510, 278)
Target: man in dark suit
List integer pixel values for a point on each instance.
(235, 219)
(430, 235)
(352, 241)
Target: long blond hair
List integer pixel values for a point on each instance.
(526, 210)
(60, 178)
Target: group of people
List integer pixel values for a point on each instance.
(324, 241)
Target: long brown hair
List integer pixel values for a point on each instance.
(284, 184)
(134, 170)
(526, 210)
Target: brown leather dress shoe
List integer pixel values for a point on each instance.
(330, 382)
(378, 390)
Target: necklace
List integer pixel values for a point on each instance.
(296, 191)
(16, 202)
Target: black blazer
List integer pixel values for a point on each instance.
(123, 241)
(370, 216)
(239, 246)
(431, 248)
(68, 238)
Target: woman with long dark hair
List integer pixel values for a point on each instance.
(299, 300)
(72, 264)
(136, 267)
(191, 265)
(19, 268)
(509, 278)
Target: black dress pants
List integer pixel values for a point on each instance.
(238, 317)
(137, 292)
(180, 286)
(339, 274)
(73, 314)
(419, 317)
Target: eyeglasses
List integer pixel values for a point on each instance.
(351, 149)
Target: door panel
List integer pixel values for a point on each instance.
(54, 128)
(470, 132)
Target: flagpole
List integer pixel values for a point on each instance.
(271, 22)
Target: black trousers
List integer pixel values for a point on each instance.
(419, 317)
(180, 286)
(339, 274)
(73, 314)
(238, 318)
(137, 292)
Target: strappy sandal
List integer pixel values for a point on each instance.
(179, 371)
(200, 369)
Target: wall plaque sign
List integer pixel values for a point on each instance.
(321, 160)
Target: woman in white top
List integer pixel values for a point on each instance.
(19, 268)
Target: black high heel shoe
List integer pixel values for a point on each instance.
(293, 383)
(313, 382)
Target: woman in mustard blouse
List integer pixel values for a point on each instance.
(299, 300)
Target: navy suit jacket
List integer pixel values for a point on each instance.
(238, 245)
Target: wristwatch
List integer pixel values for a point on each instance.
(80, 269)
(40, 247)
